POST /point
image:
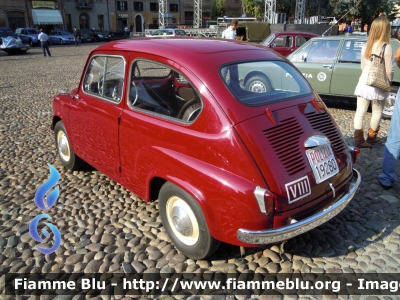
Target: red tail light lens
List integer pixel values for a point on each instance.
(354, 151)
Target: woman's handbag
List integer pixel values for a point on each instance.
(377, 76)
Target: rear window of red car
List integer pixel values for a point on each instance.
(260, 82)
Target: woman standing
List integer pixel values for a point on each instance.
(378, 36)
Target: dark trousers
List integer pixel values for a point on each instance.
(45, 48)
(77, 41)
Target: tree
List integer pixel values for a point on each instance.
(255, 8)
(213, 10)
(221, 10)
(217, 9)
(366, 10)
(319, 8)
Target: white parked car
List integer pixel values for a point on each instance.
(168, 32)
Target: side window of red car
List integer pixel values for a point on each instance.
(105, 77)
(162, 91)
(283, 41)
(300, 40)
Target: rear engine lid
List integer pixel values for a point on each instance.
(301, 153)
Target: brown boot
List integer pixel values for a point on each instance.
(372, 137)
(359, 140)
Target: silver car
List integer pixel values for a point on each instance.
(168, 32)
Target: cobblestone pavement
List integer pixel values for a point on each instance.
(105, 228)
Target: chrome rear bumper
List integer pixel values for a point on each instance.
(284, 233)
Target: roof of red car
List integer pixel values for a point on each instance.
(174, 48)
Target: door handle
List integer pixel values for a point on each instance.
(327, 66)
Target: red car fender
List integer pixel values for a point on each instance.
(226, 199)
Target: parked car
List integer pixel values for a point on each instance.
(285, 42)
(332, 65)
(86, 35)
(13, 45)
(227, 162)
(101, 36)
(28, 35)
(4, 32)
(61, 37)
(168, 32)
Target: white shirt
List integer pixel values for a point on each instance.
(229, 33)
(43, 37)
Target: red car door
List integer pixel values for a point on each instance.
(283, 44)
(95, 117)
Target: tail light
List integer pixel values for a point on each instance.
(265, 200)
(354, 152)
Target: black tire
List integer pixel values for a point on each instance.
(192, 238)
(258, 84)
(67, 156)
(30, 43)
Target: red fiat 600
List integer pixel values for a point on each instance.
(228, 136)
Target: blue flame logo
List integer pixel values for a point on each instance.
(50, 201)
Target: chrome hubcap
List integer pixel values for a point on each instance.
(389, 104)
(182, 221)
(258, 87)
(63, 146)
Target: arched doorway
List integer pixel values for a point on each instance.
(84, 21)
(138, 23)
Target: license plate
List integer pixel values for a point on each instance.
(323, 162)
(23, 49)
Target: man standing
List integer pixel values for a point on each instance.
(43, 41)
(391, 152)
(230, 32)
(77, 36)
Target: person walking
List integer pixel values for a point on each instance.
(349, 28)
(77, 37)
(126, 30)
(230, 32)
(341, 28)
(42, 37)
(378, 36)
(391, 152)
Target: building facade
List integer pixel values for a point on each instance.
(137, 15)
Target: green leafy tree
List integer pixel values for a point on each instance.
(213, 10)
(319, 8)
(221, 10)
(254, 8)
(287, 7)
(367, 11)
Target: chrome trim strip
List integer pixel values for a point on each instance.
(316, 140)
(259, 193)
(269, 236)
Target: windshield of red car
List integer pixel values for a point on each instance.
(260, 82)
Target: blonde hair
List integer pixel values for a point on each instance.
(379, 33)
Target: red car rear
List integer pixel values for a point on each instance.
(228, 136)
